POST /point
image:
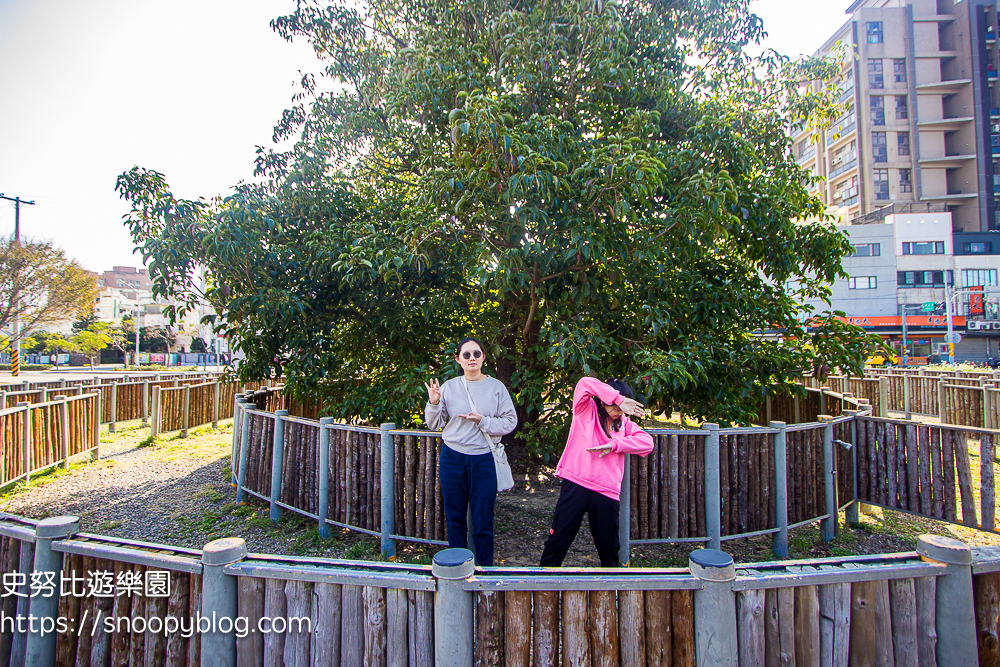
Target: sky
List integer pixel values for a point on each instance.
(190, 88)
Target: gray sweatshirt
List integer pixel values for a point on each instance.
(464, 436)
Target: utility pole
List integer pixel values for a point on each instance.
(15, 355)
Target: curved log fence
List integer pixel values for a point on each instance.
(704, 486)
(134, 603)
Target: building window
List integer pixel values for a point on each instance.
(923, 247)
(881, 178)
(880, 150)
(902, 143)
(899, 69)
(923, 278)
(980, 248)
(862, 282)
(905, 182)
(874, 32)
(875, 79)
(902, 113)
(867, 250)
(979, 277)
(878, 109)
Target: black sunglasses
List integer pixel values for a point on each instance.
(469, 355)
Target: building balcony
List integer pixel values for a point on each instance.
(956, 196)
(944, 124)
(838, 134)
(808, 156)
(840, 169)
(945, 161)
(846, 94)
(848, 202)
(937, 54)
(942, 87)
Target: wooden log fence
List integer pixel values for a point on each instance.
(38, 436)
(298, 611)
(183, 406)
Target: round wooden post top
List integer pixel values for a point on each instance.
(944, 549)
(57, 526)
(225, 551)
(453, 564)
(712, 565)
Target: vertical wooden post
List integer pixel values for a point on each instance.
(114, 406)
(955, 606)
(942, 407)
(234, 456)
(767, 409)
(186, 414)
(219, 598)
(324, 476)
(713, 497)
(26, 439)
(154, 417)
(64, 432)
(43, 394)
(277, 453)
(823, 400)
(625, 515)
(215, 405)
(387, 490)
(97, 426)
(145, 402)
(988, 406)
(797, 414)
(828, 527)
(454, 608)
(906, 396)
(244, 448)
(779, 543)
(883, 396)
(715, 636)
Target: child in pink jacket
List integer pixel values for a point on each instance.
(592, 466)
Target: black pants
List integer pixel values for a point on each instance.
(574, 501)
(469, 482)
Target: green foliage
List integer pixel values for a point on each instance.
(591, 187)
(41, 286)
(198, 345)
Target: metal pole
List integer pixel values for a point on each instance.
(852, 513)
(276, 457)
(234, 456)
(186, 414)
(951, 331)
(244, 453)
(454, 608)
(18, 644)
(906, 396)
(955, 615)
(219, 599)
(324, 477)
(715, 636)
(779, 543)
(15, 355)
(154, 419)
(828, 527)
(215, 404)
(906, 356)
(625, 515)
(41, 645)
(387, 490)
(713, 509)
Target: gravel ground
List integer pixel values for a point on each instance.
(177, 491)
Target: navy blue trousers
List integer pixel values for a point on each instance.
(469, 482)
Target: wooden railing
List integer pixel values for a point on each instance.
(855, 610)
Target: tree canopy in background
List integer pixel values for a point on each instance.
(591, 187)
(39, 284)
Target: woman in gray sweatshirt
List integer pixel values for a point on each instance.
(473, 409)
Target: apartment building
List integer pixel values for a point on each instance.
(912, 167)
(922, 118)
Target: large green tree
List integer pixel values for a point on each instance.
(590, 186)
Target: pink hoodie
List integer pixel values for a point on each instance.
(589, 469)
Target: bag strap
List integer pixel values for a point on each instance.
(472, 402)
